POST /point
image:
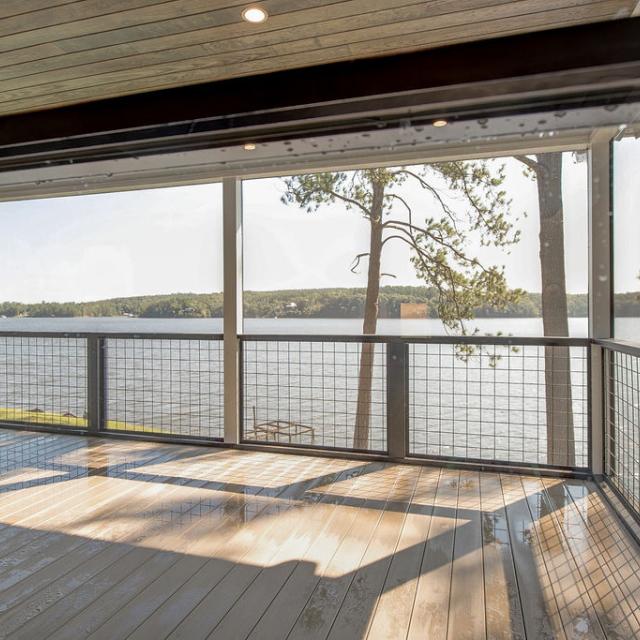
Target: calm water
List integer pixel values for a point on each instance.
(626, 328)
(479, 406)
(514, 326)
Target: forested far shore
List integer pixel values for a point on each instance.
(298, 303)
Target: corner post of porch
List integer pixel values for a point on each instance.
(600, 282)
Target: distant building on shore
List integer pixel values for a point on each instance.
(413, 310)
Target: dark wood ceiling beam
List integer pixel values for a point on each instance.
(549, 65)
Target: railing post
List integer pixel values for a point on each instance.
(95, 383)
(598, 402)
(609, 412)
(397, 399)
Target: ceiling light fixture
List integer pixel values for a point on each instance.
(249, 146)
(440, 123)
(255, 14)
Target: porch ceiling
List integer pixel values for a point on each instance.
(61, 52)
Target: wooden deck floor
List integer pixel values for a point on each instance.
(112, 539)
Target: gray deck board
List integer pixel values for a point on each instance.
(113, 539)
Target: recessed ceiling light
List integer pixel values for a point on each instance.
(249, 146)
(255, 14)
(440, 123)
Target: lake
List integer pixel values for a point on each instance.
(626, 328)
(386, 326)
(487, 405)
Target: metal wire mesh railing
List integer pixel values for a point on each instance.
(168, 385)
(622, 421)
(510, 401)
(43, 380)
(320, 392)
(164, 386)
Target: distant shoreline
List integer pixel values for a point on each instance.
(339, 303)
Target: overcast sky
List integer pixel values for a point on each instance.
(626, 194)
(169, 240)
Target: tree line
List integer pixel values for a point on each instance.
(298, 303)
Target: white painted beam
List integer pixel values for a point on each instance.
(600, 279)
(197, 167)
(232, 251)
(600, 285)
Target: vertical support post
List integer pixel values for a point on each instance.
(600, 215)
(397, 399)
(611, 453)
(95, 383)
(597, 409)
(600, 280)
(232, 251)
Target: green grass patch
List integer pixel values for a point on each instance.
(8, 414)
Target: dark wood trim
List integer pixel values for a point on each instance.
(553, 66)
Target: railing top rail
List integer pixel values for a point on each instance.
(430, 339)
(284, 337)
(111, 334)
(622, 346)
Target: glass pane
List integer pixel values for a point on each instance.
(626, 238)
(487, 246)
(147, 260)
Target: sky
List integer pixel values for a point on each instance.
(110, 245)
(296, 247)
(626, 203)
(170, 240)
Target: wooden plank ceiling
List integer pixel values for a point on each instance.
(60, 52)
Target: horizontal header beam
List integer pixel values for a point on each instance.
(204, 167)
(598, 60)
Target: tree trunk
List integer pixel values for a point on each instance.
(370, 322)
(557, 367)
